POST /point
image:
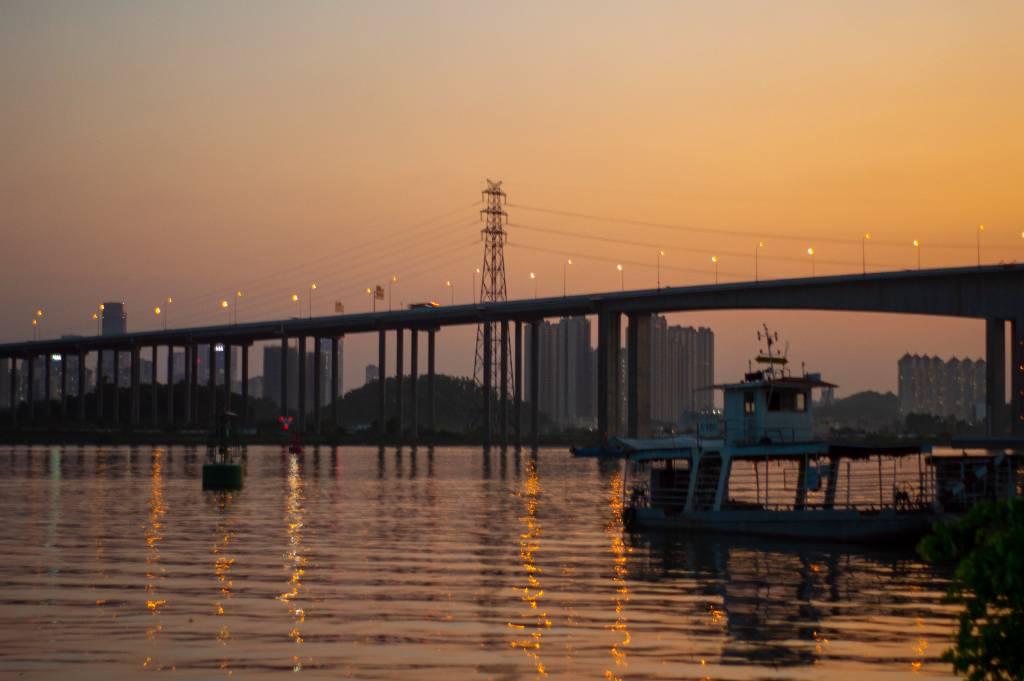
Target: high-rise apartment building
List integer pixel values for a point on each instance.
(272, 373)
(682, 371)
(929, 385)
(567, 377)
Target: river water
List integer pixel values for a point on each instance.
(421, 564)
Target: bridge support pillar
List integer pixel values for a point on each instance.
(399, 370)
(227, 377)
(13, 391)
(609, 341)
(64, 387)
(302, 384)
(317, 383)
(488, 350)
(639, 366)
(189, 385)
(116, 406)
(382, 392)
(80, 396)
(503, 385)
(334, 384)
(414, 370)
(133, 394)
(170, 385)
(243, 349)
(995, 377)
(517, 382)
(1017, 377)
(100, 368)
(47, 390)
(535, 381)
(284, 376)
(431, 346)
(211, 384)
(155, 387)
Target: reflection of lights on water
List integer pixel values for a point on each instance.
(222, 565)
(532, 593)
(619, 572)
(154, 534)
(919, 648)
(294, 560)
(820, 642)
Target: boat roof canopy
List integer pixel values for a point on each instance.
(799, 382)
(662, 449)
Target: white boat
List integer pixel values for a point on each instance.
(767, 475)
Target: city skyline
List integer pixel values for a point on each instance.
(156, 146)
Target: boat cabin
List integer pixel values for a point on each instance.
(767, 409)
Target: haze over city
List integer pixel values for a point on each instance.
(195, 150)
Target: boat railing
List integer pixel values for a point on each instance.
(865, 484)
(965, 480)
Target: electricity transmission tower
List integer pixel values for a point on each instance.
(492, 284)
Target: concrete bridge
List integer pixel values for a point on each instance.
(992, 293)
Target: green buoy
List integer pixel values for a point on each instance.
(226, 469)
(217, 475)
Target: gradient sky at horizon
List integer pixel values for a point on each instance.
(193, 149)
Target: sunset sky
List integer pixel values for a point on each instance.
(193, 149)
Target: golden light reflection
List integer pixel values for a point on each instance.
(821, 642)
(154, 535)
(920, 647)
(536, 619)
(222, 564)
(294, 560)
(620, 570)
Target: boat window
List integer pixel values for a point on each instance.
(787, 400)
(749, 405)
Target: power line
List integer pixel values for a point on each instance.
(715, 231)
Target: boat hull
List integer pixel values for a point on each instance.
(845, 525)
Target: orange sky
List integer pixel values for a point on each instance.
(191, 150)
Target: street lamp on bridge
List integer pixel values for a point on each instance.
(565, 265)
(298, 305)
(981, 228)
(757, 251)
(312, 287)
(810, 252)
(394, 280)
(534, 278)
(622, 276)
(451, 288)
(917, 247)
(661, 254)
(714, 259)
(864, 252)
